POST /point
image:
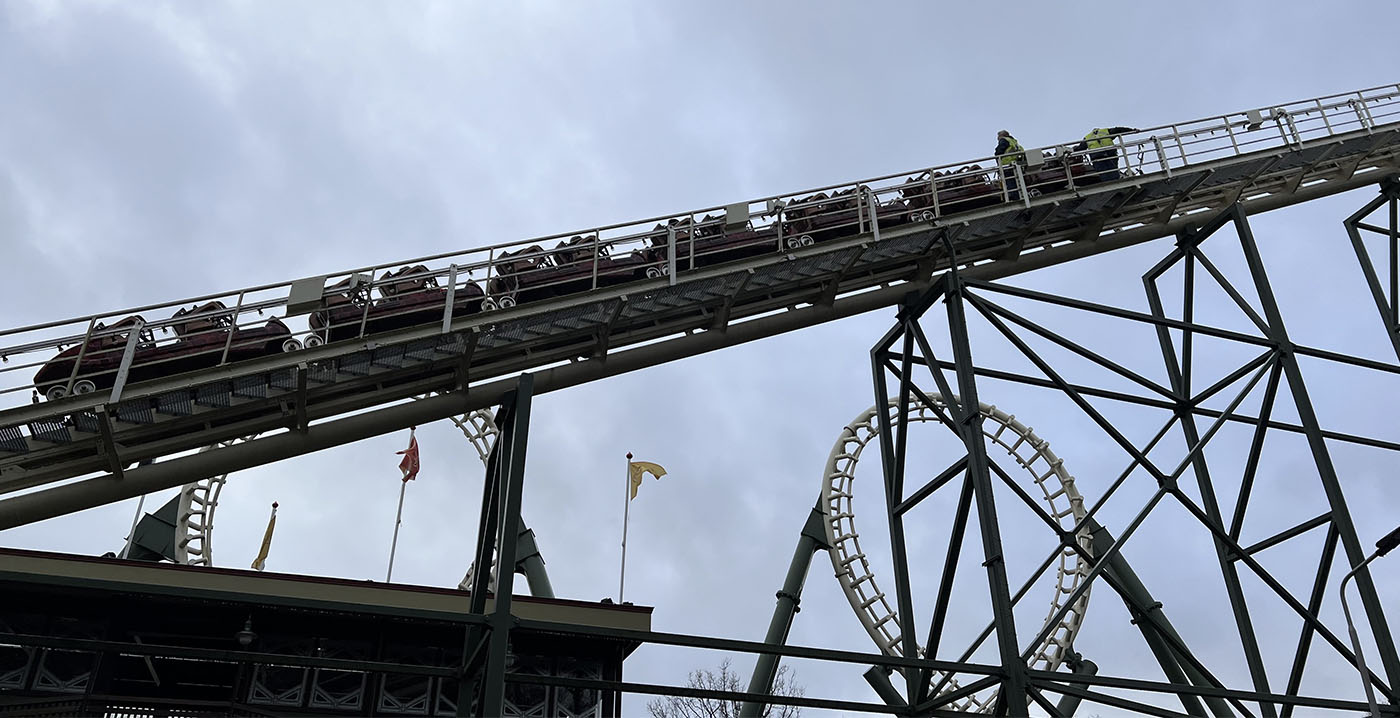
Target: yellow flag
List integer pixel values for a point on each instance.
(261, 560)
(635, 469)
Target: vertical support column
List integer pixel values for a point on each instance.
(1307, 417)
(475, 643)
(486, 644)
(514, 436)
(1179, 374)
(1012, 699)
(892, 463)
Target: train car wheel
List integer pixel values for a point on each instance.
(655, 272)
(86, 386)
(290, 345)
(314, 340)
(488, 305)
(806, 240)
(507, 302)
(928, 215)
(56, 392)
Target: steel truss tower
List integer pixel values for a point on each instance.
(905, 355)
(484, 654)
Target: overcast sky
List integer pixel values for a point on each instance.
(152, 151)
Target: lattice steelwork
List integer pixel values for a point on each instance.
(906, 352)
(834, 253)
(853, 568)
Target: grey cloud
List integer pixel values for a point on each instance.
(165, 150)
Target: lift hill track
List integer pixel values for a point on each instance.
(852, 248)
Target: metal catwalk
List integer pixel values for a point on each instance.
(575, 314)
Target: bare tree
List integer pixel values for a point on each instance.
(724, 679)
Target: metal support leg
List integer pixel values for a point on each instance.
(1156, 629)
(891, 460)
(1079, 666)
(514, 436)
(1179, 374)
(1307, 417)
(812, 540)
(879, 680)
(486, 645)
(1388, 306)
(1012, 699)
(475, 642)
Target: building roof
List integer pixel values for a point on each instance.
(42, 568)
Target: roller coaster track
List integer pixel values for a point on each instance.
(1178, 176)
(855, 573)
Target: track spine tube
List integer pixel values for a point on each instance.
(812, 539)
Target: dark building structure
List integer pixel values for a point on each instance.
(108, 637)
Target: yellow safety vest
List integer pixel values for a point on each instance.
(1012, 154)
(1098, 138)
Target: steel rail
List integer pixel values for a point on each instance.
(862, 300)
(1383, 96)
(1030, 259)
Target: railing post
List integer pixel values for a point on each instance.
(1325, 122)
(1176, 134)
(1230, 128)
(133, 338)
(369, 300)
(1359, 107)
(1162, 156)
(691, 243)
(451, 298)
(778, 217)
(1021, 182)
(1282, 117)
(233, 326)
(671, 253)
(874, 214)
(597, 235)
(82, 352)
(860, 210)
(933, 188)
(490, 270)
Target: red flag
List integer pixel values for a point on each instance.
(409, 464)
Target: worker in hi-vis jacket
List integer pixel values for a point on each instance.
(1102, 154)
(1008, 153)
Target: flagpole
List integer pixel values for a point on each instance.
(409, 467)
(403, 487)
(626, 507)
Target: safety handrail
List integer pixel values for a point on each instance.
(632, 246)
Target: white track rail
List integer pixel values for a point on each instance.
(857, 577)
(480, 429)
(194, 528)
